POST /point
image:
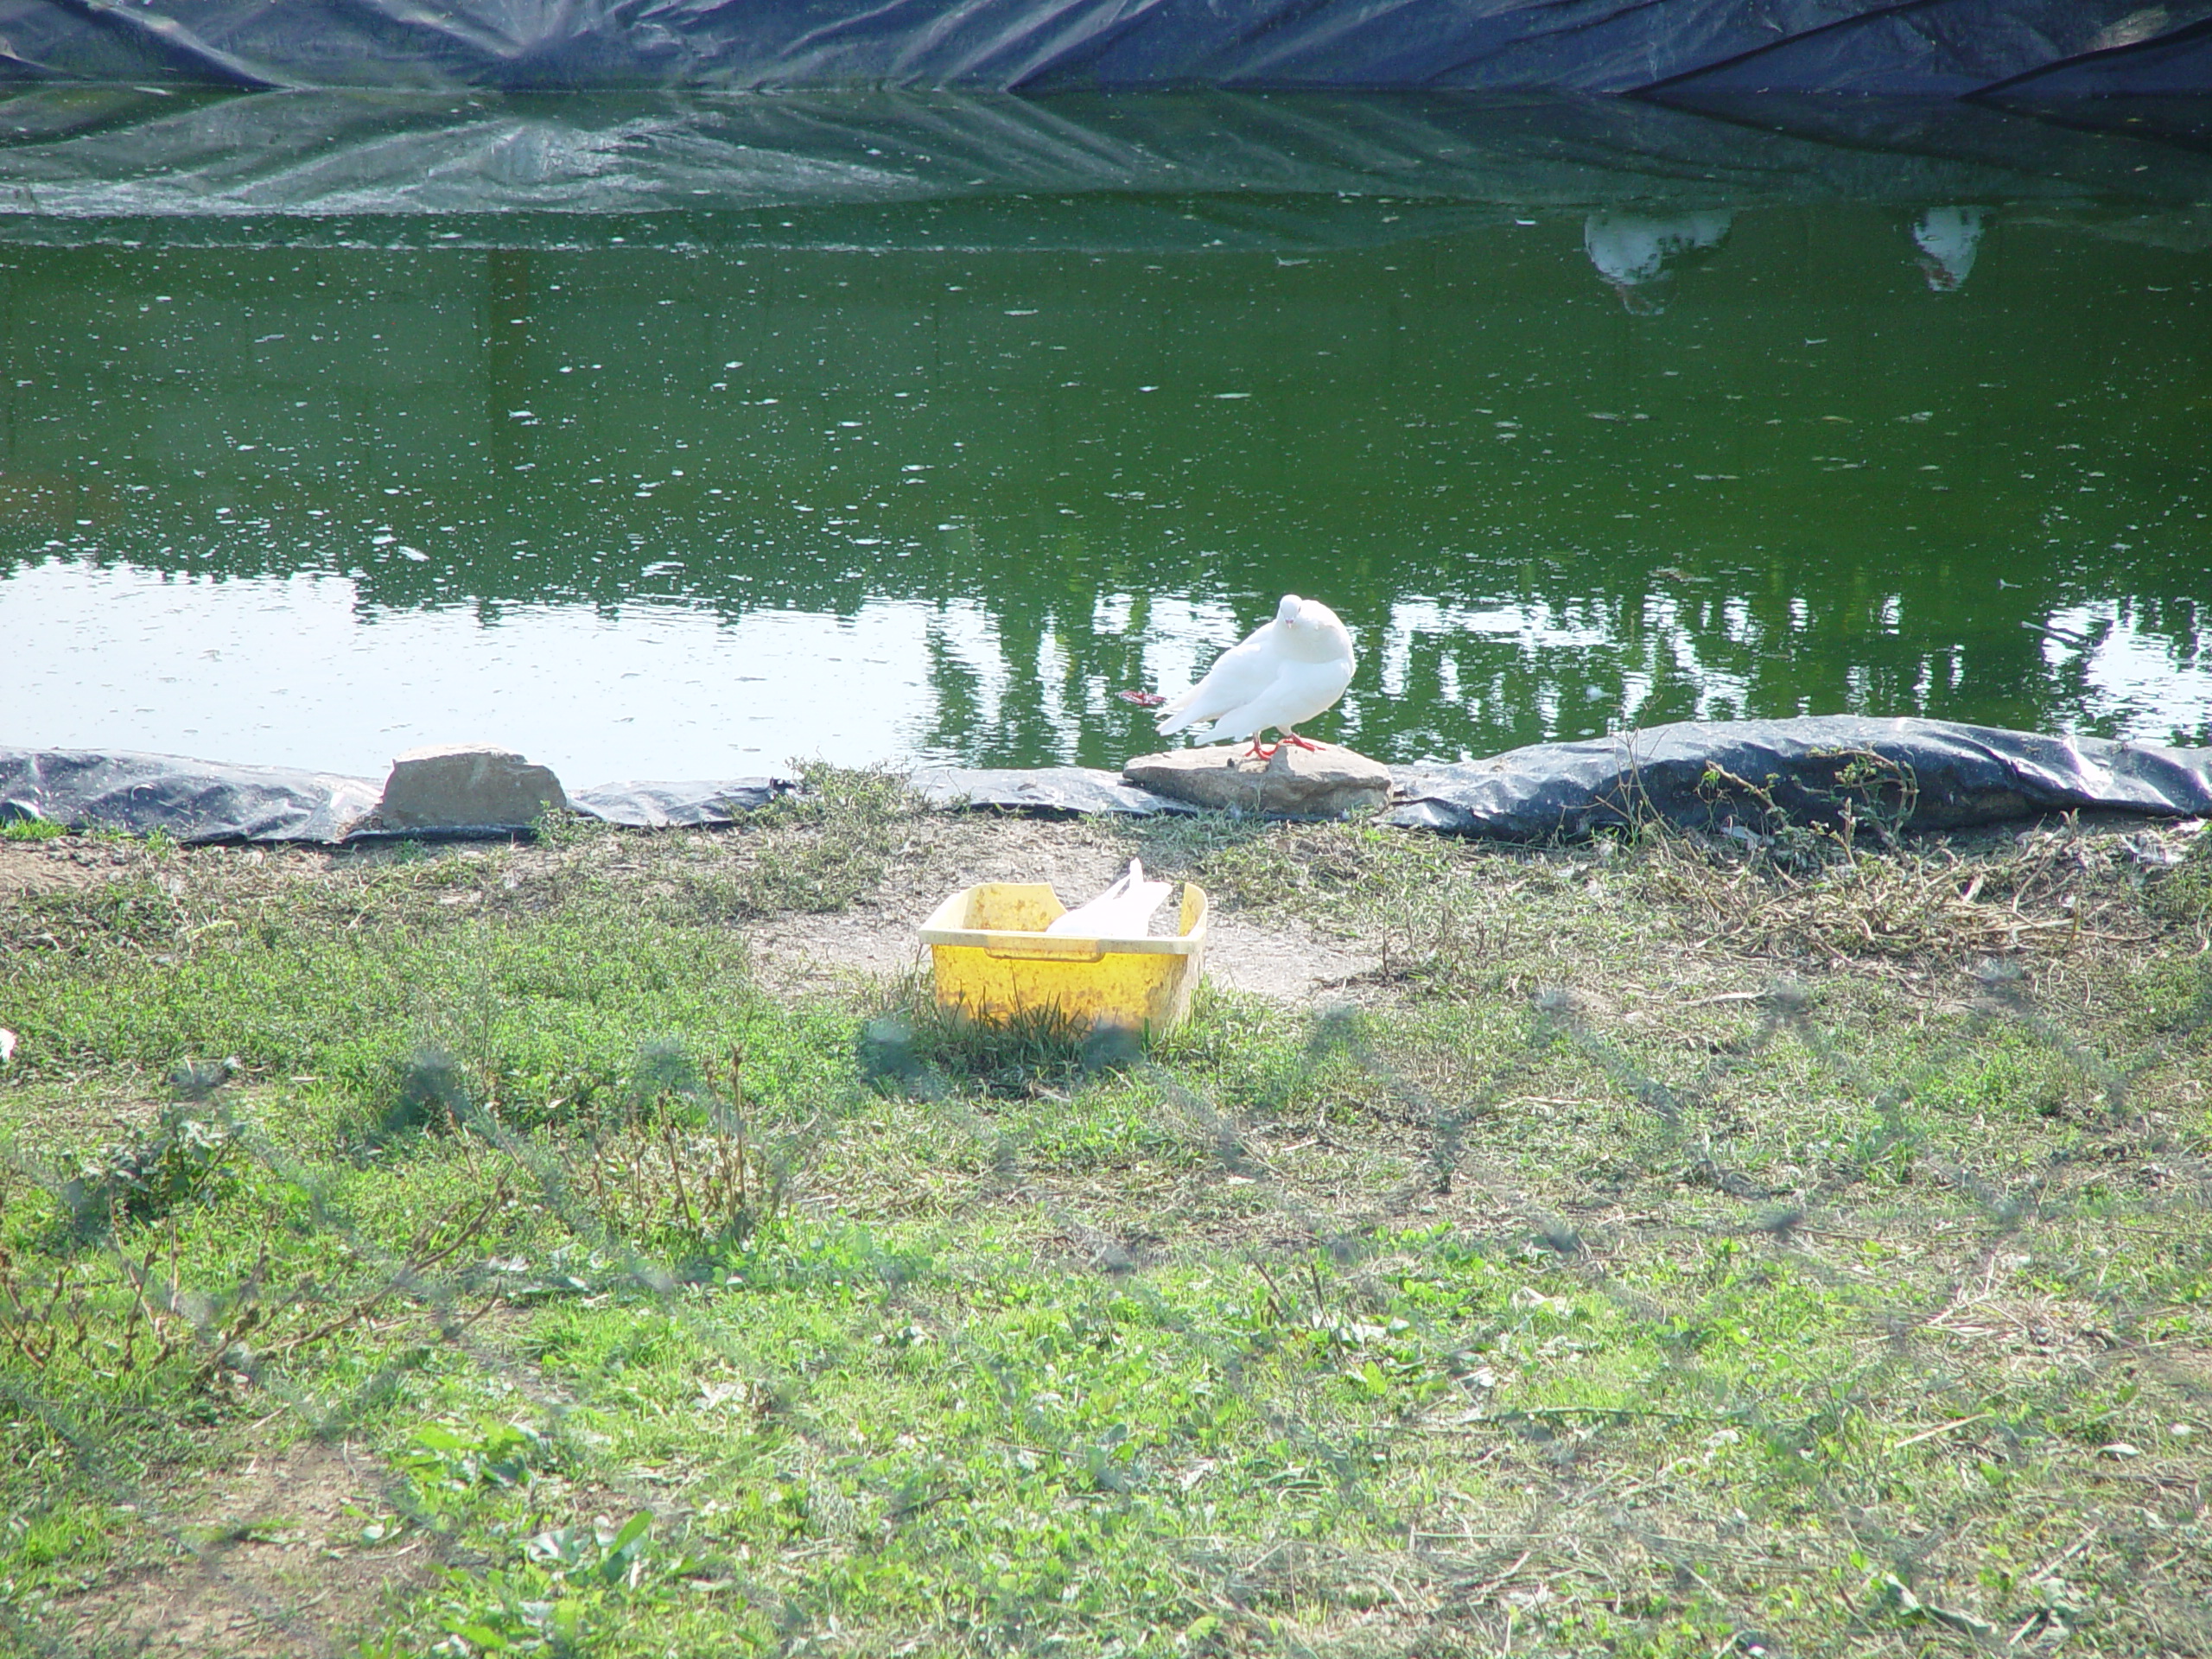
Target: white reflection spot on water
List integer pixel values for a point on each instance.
(302, 673)
(2128, 677)
(1532, 644)
(1185, 634)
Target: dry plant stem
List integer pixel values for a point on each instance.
(685, 1211)
(408, 1277)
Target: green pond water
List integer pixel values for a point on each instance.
(680, 495)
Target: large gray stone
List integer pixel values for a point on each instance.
(1294, 782)
(467, 787)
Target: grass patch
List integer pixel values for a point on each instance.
(1666, 1248)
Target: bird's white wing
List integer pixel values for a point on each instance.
(1238, 675)
(1297, 691)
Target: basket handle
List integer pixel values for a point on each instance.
(1045, 949)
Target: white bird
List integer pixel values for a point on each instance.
(1122, 912)
(1287, 671)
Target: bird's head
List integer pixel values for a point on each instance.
(1311, 630)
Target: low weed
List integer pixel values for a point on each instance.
(824, 845)
(572, 1582)
(911, 1043)
(187, 1155)
(689, 1173)
(2182, 891)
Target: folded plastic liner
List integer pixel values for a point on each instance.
(1052, 791)
(890, 169)
(198, 802)
(1929, 47)
(1753, 776)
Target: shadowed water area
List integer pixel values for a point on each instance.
(667, 437)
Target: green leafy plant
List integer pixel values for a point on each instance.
(447, 1458)
(570, 1578)
(190, 1155)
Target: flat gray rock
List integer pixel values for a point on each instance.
(1294, 782)
(467, 787)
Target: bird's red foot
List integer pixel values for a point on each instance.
(1260, 751)
(1303, 743)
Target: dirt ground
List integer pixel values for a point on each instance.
(273, 1559)
(1272, 957)
(56, 866)
(1268, 956)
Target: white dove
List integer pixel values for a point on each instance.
(1122, 912)
(1287, 671)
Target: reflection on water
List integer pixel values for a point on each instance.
(1637, 255)
(2128, 679)
(1948, 238)
(293, 666)
(670, 496)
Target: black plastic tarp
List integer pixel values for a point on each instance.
(1048, 792)
(1956, 48)
(1758, 774)
(199, 802)
(1754, 774)
(663, 806)
(193, 801)
(1922, 47)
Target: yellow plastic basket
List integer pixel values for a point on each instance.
(995, 962)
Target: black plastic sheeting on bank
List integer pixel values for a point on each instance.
(1922, 47)
(1052, 791)
(666, 806)
(191, 800)
(1757, 774)
(199, 802)
(1752, 775)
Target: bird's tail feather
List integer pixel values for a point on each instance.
(1177, 715)
(1175, 721)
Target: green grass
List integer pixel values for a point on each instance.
(1632, 1274)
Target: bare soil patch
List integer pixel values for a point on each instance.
(269, 1563)
(48, 866)
(1269, 955)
